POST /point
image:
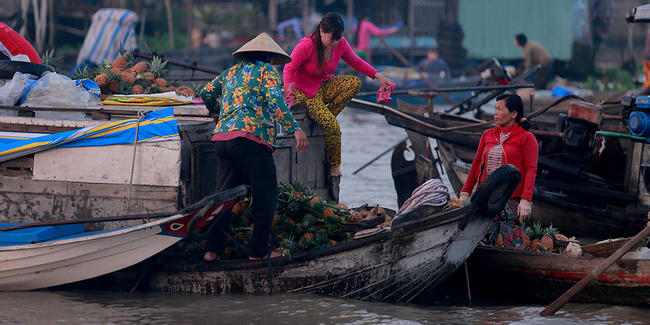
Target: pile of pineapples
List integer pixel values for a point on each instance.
(539, 238)
(302, 222)
(123, 77)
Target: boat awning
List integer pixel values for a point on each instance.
(158, 125)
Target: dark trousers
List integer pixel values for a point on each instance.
(242, 161)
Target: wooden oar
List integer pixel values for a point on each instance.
(68, 222)
(559, 302)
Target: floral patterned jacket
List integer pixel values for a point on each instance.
(248, 97)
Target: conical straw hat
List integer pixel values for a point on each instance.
(263, 43)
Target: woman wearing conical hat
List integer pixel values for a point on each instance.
(248, 97)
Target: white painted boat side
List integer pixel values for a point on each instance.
(27, 267)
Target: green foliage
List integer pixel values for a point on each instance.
(615, 79)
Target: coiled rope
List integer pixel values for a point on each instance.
(432, 193)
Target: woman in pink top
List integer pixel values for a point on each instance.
(367, 29)
(309, 80)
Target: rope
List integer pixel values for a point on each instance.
(433, 193)
(141, 115)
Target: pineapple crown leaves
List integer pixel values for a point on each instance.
(48, 58)
(174, 83)
(197, 87)
(83, 73)
(157, 67)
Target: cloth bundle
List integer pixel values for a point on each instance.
(383, 94)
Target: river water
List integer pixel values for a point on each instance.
(365, 136)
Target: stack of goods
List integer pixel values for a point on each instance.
(303, 222)
(123, 77)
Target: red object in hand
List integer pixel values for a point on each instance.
(383, 95)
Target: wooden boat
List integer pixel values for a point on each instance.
(503, 273)
(422, 248)
(35, 256)
(589, 182)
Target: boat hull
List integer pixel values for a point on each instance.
(542, 277)
(396, 265)
(34, 266)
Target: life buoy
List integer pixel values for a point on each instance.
(493, 193)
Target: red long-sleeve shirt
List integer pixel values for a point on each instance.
(303, 68)
(520, 149)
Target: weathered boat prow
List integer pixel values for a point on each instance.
(35, 257)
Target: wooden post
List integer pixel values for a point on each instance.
(170, 23)
(273, 16)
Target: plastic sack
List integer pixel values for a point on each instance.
(11, 92)
(56, 90)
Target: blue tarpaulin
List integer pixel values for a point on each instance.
(155, 126)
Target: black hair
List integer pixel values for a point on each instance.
(330, 23)
(521, 39)
(515, 104)
(258, 56)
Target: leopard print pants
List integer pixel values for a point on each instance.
(332, 97)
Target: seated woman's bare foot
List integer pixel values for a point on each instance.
(335, 172)
(273, 255)
(210, 256)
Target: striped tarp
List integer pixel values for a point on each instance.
(158, 125)
(109, 28)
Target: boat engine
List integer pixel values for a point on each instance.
(636, 113)
(582, 122)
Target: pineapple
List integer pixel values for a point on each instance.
(157, 67)
(128, 76)
(277, 219)
(121, 62)
(153, 89)
(48, 58)
(103, 76)
(534, 244)
(84, 73)
(547, 238)
(314, 200)
(139, 68)
(309, 220)
(113, 85)
(138, 89)
(148, 77)
(547, 243)
(102, 80)
(329, 212)
(116, 70)
(238, 208)
(188, 93)
(160, 82)
(124, 88)
(536, 234)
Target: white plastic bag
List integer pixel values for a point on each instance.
(13, 89)
(56, 90)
